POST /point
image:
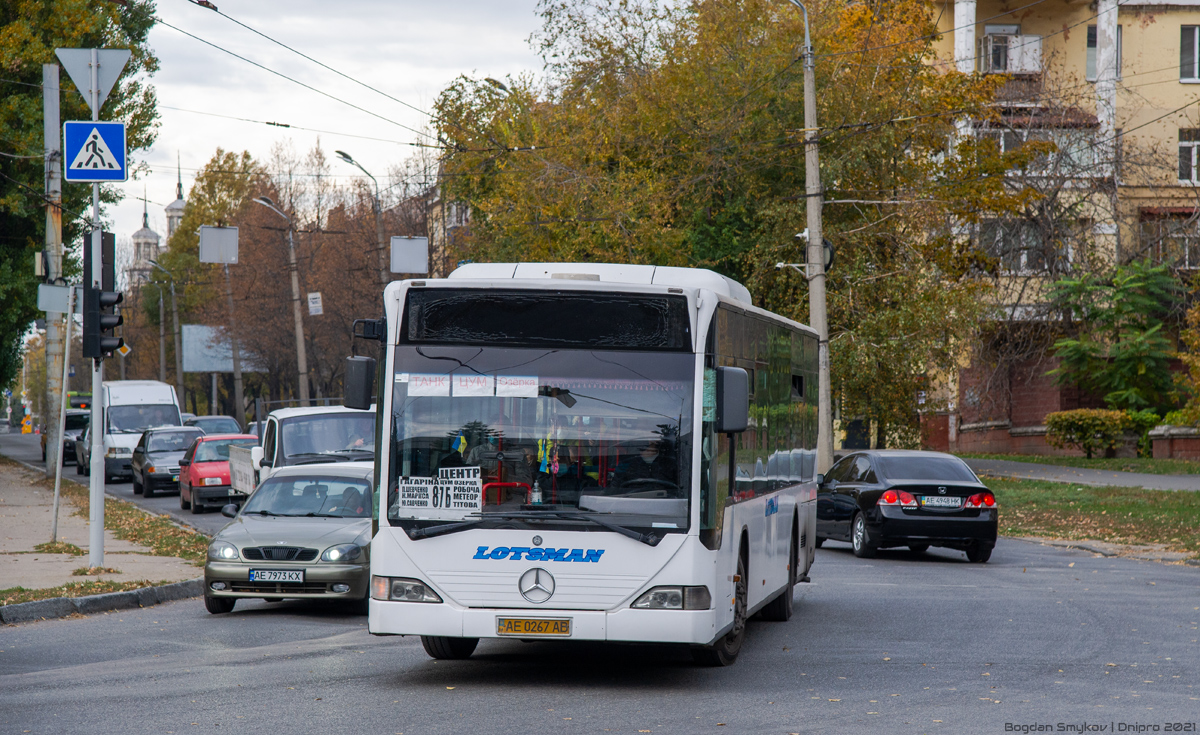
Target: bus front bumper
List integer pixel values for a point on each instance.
(629, 625)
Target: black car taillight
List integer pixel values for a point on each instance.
(897, 497)
(981, 500)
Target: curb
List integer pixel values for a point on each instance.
(60, 607)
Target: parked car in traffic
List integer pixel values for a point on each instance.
(303, 534)
(83, 450)
(76, 421)
(887, 498)
(204, 472)
(155, 461)
(214, 424)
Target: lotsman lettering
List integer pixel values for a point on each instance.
(499, 552)
(575, 555)
(516, 552)
(593, 555)
(481, 553)
(554, 554)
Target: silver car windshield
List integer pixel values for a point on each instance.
(311, 496)
(577, 433)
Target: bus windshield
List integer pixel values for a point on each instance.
(541, 436)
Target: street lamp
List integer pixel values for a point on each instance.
(301, 356)
(384, 264)
(175, 318)
(816, 254)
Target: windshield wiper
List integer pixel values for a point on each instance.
(321, 515)
(649, 539)
(267, 513)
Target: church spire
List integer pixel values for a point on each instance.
(179, 182)
(145, 211)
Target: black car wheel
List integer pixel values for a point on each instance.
(819, 542)
(976, 554)
(918, 548)
(43, 454)
(218, 605)
(863, 548)
(197, 508)
(137, 486)
(148, 487)
(183, 504)
(444, 647)
(79, 467)
(725, 651)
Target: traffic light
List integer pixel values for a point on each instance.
(98, 317)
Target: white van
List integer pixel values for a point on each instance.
(130, 407)
(295, 436)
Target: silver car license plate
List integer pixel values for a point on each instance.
(941, 501)
(277, 575)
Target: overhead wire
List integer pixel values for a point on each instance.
(309, 87)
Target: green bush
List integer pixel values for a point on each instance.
(1088, 429)
(1182, 417)
(1140, 423)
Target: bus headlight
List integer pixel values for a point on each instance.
(401, 589)
(222, 550)
(674, 598)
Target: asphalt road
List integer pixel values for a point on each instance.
(898, 644)
(28, 448)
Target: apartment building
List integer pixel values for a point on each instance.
(1115, 85)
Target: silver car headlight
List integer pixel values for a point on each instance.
(222, 551)
(118, 452)
(674, 598)
(342, 553)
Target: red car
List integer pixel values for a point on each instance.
(204, 471)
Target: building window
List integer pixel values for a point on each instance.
(1075, 153)
(1021, 248)
(1091, 53)
(1189, 54)
(1172, 239)
(1189, 140)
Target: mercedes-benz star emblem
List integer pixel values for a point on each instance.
(536, 585)
(537, 540)
(942, 490)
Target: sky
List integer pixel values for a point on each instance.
(410, 49)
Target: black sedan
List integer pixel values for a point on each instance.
(76, 421)
(886, 498)
(155, 461)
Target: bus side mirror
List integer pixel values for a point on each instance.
(733, 400)
(360, 382)
(820, 479)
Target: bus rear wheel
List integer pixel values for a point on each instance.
(725, 651)
(779, 610)
(445, 647)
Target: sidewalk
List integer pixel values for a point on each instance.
(26, 510)
(1080, 476)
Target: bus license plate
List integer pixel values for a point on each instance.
(941, 501)
(277, 575)
(529, 628)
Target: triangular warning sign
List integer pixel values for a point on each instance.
(95, 155)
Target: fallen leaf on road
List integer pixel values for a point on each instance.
(449, 687)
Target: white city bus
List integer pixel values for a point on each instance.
(588, 452)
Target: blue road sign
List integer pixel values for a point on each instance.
(94, 151)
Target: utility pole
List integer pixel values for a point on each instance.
(377, 207)
(297, 317)
(239, 408)
(175, 320)
(816, 254)
(55, 362)
(96, 454)
(162, 337)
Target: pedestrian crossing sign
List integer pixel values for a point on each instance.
(94, 151)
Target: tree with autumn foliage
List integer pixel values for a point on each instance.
(673, 135)
(30, 31)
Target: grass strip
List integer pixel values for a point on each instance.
(59, 547)
(1138, 464)
(13, 595)
(128, 522)
(1120, 515)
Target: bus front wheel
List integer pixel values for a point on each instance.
(725, 651)
(445, 647)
